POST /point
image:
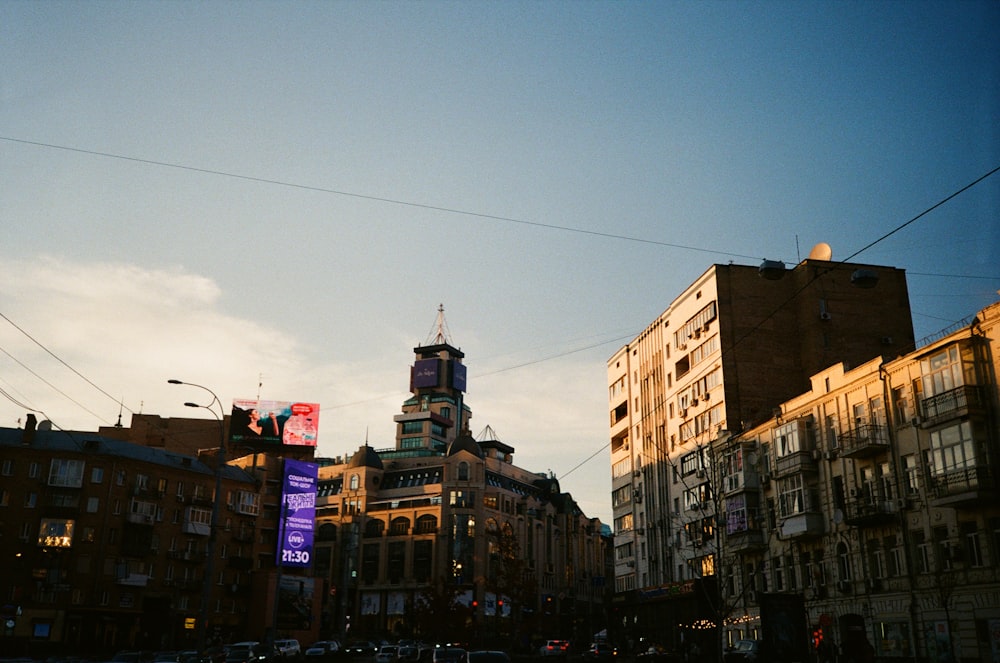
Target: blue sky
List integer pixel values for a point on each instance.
(552, 172)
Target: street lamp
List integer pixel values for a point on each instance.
(220, 460)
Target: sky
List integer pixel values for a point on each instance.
(274, 198)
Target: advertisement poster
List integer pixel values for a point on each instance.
(274, 422)
(298, 496)
(295, 603)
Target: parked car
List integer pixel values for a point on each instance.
(488, 656)
(555, 648)
(386, 654)
(600, 651)
(744, 651)
(246, 652)
(360, 648)
(322, 649)
(287, 648)
(449, 655)
(408, 653)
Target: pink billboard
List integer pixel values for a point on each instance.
(274, 422)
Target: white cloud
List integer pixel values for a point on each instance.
(128, 329)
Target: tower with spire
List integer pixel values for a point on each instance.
(435, 413)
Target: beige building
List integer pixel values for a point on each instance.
(874, 496)
(731, 347)
(443, 537)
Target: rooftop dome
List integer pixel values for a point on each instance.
(366, 457)
(465, 442)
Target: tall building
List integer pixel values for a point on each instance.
(872, 500)
(443, 537)
(730, 348)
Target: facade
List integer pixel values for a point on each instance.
(443, 538)
(106, 544)
(874, 498)
(735, 344)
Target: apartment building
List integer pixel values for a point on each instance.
(873, 498)
(104, 544)
(444, 538)
(732, 346)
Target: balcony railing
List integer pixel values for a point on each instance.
(968, 485)
(870, 512)
(864, 441)
(952, 404)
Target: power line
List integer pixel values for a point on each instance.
(380, 199)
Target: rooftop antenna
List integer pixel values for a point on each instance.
(121, 406)
(440, 334)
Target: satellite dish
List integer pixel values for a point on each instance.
(821, 251)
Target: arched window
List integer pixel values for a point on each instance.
(326, 532)
(843, 562)
(355, 482)
(399, 527)
(374, 528)
(427, 524)
(463, 471)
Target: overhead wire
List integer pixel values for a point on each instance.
(451, 210)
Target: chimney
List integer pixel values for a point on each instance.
(28, 436)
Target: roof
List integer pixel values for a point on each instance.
(465, 442)
(366, 457)
(93, 444)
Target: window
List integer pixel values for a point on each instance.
(921, 551)
(412, 427)
(97, 475)
(952, 449)
(463, 471)
(7, 469)
(354, 482)
(33, 470)
(93, 504)
(792, 496)
(941, 372)
(973, 546)
(66, 473)
(463, 499)
(844, 571)
(911, 475)
(31, 500)
(786, 439)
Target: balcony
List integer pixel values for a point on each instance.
(745, 541)
(870, 512)
(133, 580)
(802, 526)
(865, 441)
(952, 404)
(965, 487)
(796, 463)
(140, 519)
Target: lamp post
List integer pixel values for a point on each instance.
(220, 460)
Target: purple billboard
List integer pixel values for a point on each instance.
(298, 497)
(426, 373)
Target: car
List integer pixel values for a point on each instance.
(287, 648)
(408, 653)
(488, 656)
(601, 651)
(386, 654)
(555, 648)
(449, 655)
(246, 652)
(743, 651)
(322, 649)
(360, 648)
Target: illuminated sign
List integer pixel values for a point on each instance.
(274, 422)
(458, 376)
(56, 533)
(426, 373)
(298, 497)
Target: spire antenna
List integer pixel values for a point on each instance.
(440, 334)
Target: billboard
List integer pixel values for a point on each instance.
(426, 373)
(298, 517)
(255, 421)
